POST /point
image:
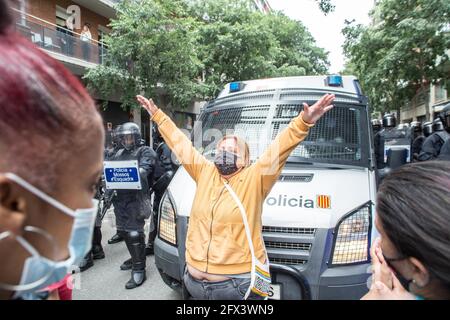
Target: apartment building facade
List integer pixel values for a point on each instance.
(437, 96)
(44, 22)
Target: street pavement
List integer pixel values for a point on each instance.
(105, 280)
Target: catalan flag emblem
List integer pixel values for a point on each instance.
(324, 202)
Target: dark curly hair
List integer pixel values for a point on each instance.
(413, 207)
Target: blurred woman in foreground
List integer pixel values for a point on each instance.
(51, 152)
(412, 258)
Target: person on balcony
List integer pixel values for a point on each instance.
(86, 38)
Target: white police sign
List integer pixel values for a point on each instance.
(123, 175)
(388, 147)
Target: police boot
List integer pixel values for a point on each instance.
(98, 253)
(115, 239)
(87, 262)
(97, 249)
(126, 265)
(136, 245)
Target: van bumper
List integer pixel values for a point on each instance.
(342, 283)
(316, 281)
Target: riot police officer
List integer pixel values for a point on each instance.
(109, 154)
(376, 126)
(389, 136)
(427, 129)
(112, 145)
(417, 139)
(432, 146)
(132, 207)
(438, 125)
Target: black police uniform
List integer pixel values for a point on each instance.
(432, 146)
(132, 207)
(427, 130)
(109, 154)
(445, 152)
(417, 139)
(376, 126)
(416, 146)
(128, 201)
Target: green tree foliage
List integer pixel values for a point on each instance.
(152, 47)
(188, 49)
(402, 51)
(326, 6)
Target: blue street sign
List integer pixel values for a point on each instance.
(122, 175)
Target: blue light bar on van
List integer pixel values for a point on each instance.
(236, 86)
(335, 81)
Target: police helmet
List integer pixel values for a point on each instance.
(389, 121)
(427, 128)
(129, 135)
(376, 123)
(115, 136)
(438, 125)
(415, 126)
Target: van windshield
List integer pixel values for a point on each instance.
(336, 139)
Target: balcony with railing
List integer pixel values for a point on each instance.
(64, 43)
(105, 8)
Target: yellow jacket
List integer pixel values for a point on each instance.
(216, 242)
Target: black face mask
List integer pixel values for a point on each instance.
(226, 163)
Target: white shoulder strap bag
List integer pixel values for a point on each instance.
(260, 275)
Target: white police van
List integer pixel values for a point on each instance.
(318, 218)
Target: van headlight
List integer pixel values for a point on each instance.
(352, 237)
(167, 230)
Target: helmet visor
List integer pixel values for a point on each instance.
(128, 141)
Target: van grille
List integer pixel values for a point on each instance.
(247, 96)
(329, 139)
(301, 231)
(288, 245)
(287, 261)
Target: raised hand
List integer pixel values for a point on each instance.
(312, 114)
(380, 269)
(147, 104)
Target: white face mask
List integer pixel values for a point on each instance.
(39, 272)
